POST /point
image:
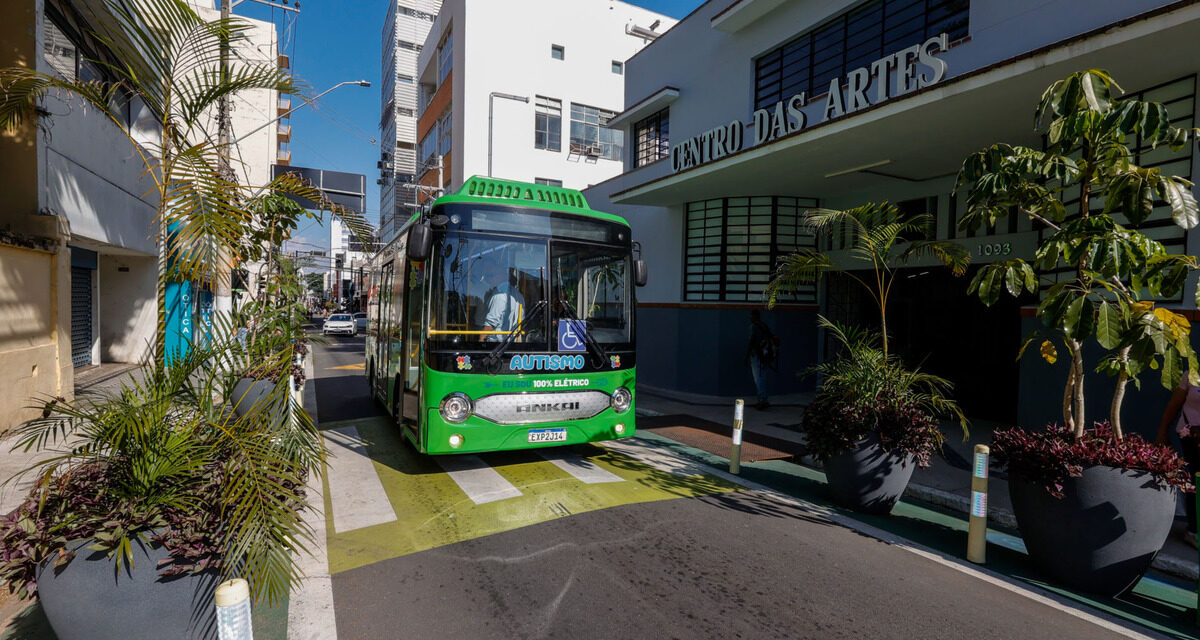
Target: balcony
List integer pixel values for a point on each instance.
(284, 62)
(283, 157)
(284, 133)
(283, 106)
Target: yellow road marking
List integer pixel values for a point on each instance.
(433, 511)
(362, 366)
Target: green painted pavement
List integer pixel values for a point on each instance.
(432, 511)
(1162, 605)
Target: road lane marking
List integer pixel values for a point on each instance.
(361, 366)
(580, 468)
(433, 511)
(357, 495)
(477, 479)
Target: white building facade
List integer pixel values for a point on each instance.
(404, 33)
(749, 112)
(524, 89)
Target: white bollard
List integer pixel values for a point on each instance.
(233, 610)
(735, 451)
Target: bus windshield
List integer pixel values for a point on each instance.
(589, 283)
(484, 286)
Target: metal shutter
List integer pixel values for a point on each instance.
(81, 316)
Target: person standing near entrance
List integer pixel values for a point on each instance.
(761, 351)
(503, 305)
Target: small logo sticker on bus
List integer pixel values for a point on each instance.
(545, 363)
(615, 361)
(464, 363)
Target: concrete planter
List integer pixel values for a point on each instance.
(867, 478)
(89, 599)
(1103, 534)
(248, 392)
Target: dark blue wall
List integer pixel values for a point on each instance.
(702, 350)
(1042, 385)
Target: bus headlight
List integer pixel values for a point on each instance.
(621, 399)
(455, 407)
(456, 440)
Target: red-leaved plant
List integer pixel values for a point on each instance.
(1049, 457)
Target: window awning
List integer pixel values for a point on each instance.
(652, 104)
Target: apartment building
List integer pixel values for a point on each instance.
(404, 33)
(525, 90)
(77, 229)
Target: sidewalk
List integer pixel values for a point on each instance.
(946, 483)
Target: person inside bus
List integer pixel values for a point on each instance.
(504, 301)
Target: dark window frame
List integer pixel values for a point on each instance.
(851, 40)
(651, 138)
(724, 257)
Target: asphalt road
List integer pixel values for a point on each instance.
(736, 564)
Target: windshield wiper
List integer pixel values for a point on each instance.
(538, 308)
(593, 345)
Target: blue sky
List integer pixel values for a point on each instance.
(333, 41)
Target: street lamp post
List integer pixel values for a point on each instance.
(361, 83)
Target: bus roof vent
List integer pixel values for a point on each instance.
(481, 187)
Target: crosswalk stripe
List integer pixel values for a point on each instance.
(480, 482)
(581, 468)
(356, 493)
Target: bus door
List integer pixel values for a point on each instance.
(383, 332)
(413, 314)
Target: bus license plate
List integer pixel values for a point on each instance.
(548, 435)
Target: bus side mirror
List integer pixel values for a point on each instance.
(420, 242)
(640, 273)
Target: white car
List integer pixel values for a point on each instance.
(339, 323)
(360, 321)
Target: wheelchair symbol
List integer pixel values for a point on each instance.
(571, 336)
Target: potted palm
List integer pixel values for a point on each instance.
(1094, 504)
(873, 421)
(166, 465)
(155, 492)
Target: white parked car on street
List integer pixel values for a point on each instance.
(339, 323)
(360, 321)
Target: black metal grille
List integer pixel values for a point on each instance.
(734, 244)
(81, 316)
(651, 138)
(852, 40)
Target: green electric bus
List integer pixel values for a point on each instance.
(503, 318)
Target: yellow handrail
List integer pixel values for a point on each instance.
(442, 332)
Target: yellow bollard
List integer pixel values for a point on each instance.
(233, 610)
(735, 451)
(977, 529)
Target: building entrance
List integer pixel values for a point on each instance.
(936, 326)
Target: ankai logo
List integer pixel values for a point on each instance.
(547, 407)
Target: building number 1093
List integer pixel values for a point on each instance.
(994, 249)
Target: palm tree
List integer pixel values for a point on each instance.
(162, 54)
(168, 58)
(880, 233)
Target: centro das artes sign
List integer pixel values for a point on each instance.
(787, 116)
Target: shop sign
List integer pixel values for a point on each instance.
(786, 116)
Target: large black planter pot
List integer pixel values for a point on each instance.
(1103, 534)
(867, 478)
(89, 599)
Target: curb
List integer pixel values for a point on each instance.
(311, 614)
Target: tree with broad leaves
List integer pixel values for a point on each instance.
(1115, 271)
